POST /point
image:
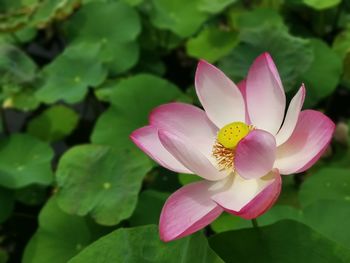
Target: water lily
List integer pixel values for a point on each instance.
(239, 145)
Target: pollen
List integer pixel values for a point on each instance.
(230, 135)
(225, 145)
(224, 157)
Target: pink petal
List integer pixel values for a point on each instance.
(255, 154)
(242, 86)
(292, 117)
(146, 138)
(247, 198)
(186, 211)
(310, 138)
(219, 96)
(189, 155)
(188, 120)
(266, 100)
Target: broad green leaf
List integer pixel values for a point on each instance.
(115, 27)
(113, 22)
(24, 160)
(285, 241)
(341, 46)
(214, 6)
(59, 236)
(15, 65)
(24, 99)
(259, 17)
(69, 75)
(148, 208)
(212, 43)
(142, 244)
(18, 73)
(321, 4)
(181, 17)
(292, 55)
(330, 218)
(54, 123)
(133, 2)
(326, 184)
(132, 100)
(279, 212)
(100, 181)
(322, 77)
(50, 10)
(34, 13)
(7, 202)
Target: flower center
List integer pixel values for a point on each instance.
(230, 135)
(227, 139)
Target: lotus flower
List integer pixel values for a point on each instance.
(239, 145)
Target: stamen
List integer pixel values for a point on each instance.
(224, 156)
(225, 145)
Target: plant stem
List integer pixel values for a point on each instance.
(255, 223)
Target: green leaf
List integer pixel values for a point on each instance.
(330, 218)
(321, 4)
(285, 241)
(130, 109)
(259, 17)
(24, 160)
(70, 74)
(292, 55)
(212, 43)
(181, 17)
(214, 6)
(148, 208)
(34, 13)
(24, 99)
(109, 197)
(54, 123)
(142, 244)
(59, 236)
(7, 202)
(326, 184)
(322, 77)
(341, 46)
(115, 27)
(15, 65)
(279, 212)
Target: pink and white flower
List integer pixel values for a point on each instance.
(239, 145)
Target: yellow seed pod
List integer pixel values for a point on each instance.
(230, 135)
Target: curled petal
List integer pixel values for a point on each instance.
(186, 211)
(220, 97)
(189, 155)
(187, 120)
(146, 138)
(292, 117)
(247, 198)
(255, 154)
(305, 146)
(266, 100)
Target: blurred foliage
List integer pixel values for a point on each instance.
(77, 76)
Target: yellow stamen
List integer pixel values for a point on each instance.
(228, 138)
(230, 135)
